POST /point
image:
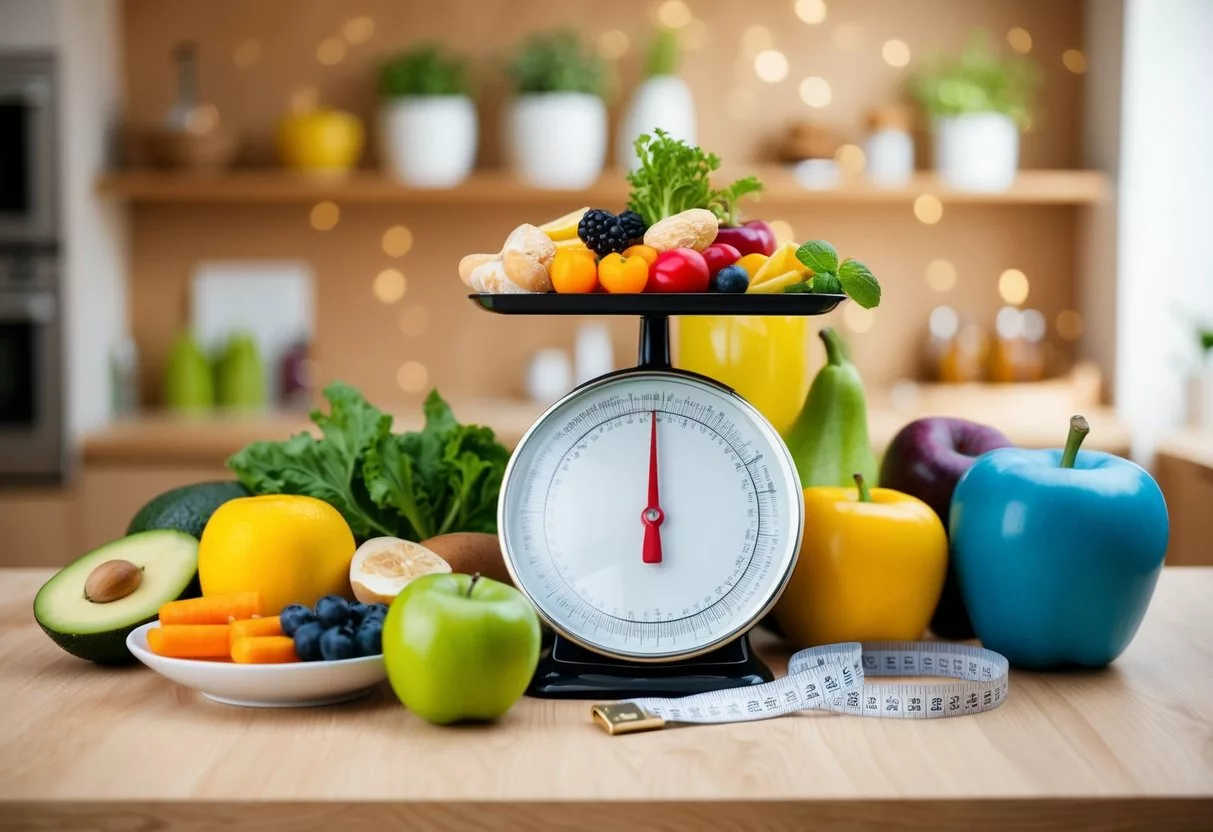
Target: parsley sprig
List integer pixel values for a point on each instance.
(674, 176)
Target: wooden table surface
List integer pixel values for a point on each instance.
(1128, 747)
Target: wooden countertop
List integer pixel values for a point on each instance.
(159, 438)
(1125, 748)
(1189, 444)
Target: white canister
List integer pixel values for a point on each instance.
(977, 151)
(429, 141)
(557, 140)
(889, 149)
(663, 101)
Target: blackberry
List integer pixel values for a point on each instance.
(602, 232)
(633, 226)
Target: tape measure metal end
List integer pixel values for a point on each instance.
(625, 718)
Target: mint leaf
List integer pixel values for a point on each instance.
(819, 256)
(804, 287)
(859, 283)
(826, 283)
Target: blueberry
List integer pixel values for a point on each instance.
(358, 611)
(293, 617)
(369, 638)
(337, 643)
(307, 641)
(332, 611)
(732, 279)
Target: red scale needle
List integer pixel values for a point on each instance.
(652, 516)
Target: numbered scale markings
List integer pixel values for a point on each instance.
(833, 678)
(651, 516)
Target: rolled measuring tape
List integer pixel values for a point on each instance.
(833, 678)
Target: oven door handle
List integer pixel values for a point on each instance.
(32, 307)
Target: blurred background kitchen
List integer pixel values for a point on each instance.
(211, 208)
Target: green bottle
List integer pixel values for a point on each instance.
(240, 376)
(188, 384)
(829, 439)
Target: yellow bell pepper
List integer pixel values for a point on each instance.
(872, 566)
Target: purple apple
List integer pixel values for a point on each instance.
(926, 459)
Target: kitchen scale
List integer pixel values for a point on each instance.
(652, 516)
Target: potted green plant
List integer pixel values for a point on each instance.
(977, 103)
(663, 100)
(556, 126)
(427, 121)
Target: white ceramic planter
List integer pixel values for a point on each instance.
(977, 151)
(557, 140)
(661, 101)
(429, 141)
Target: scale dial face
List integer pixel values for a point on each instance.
(651, 515)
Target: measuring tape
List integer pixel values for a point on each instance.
(832, 678)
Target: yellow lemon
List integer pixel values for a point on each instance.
(294, 550)
(564, 228)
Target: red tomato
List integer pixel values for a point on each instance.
(679, 270)
(720, 255)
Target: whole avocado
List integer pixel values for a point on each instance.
(186, 509)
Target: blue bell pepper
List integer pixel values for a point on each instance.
(1057, 553)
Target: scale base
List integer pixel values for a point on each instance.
(568, 671)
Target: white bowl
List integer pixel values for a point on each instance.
(294, 685)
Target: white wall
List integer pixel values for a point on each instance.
(28, 24)
(85, 36)
(1165, 209)
(95, 274)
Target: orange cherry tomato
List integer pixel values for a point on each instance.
(646, 253)
(626, 275)
(574, 272)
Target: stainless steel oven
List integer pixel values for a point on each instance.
(31, 385)
(28, 150)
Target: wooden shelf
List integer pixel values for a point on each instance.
(1033, 187)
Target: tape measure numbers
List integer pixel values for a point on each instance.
(833, 678)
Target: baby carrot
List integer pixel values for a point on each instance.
(256, 628)
(264, 650)
(212, 609)
(190, 641)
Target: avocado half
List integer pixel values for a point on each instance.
(97, 632)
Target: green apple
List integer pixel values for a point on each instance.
(459, 647)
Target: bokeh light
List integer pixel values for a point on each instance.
(330, 52)
(851, 158)
(324, 216)
(412, 377)
(695, 35)
(857, 319)
(389, 286)
(1020, 39)
(674, 14)
(895, 52)
(613, 44)
(810, 11)
(1075, 61)
(847, 36)
(304, 100)
(358, 29)
(941, 275)
(1069, 324)
(771, 66)
(928, 209)
(1013, 287)
(397, 241)
(783, 231)
(756, 38)
(815, 92)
